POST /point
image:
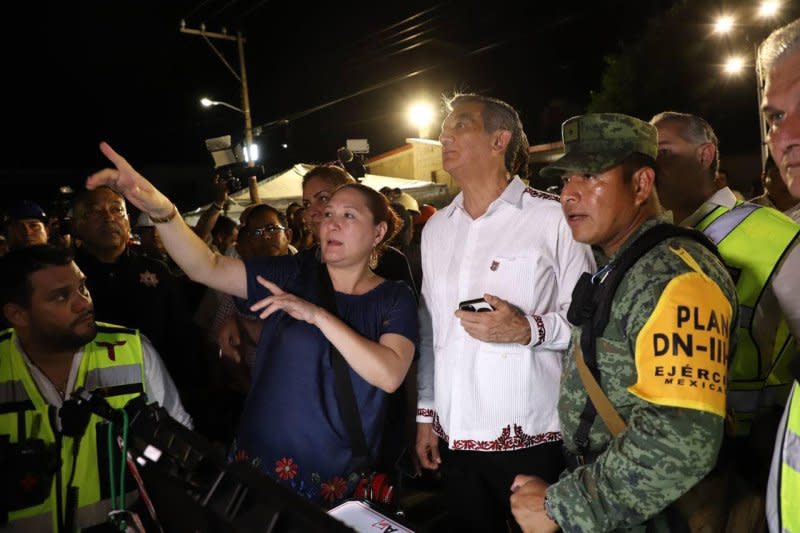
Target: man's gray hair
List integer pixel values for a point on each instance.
(498, 115)
(696, 130)
(776, 46)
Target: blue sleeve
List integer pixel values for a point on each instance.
(401, 313)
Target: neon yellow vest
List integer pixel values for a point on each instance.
(752, 241)
(112, 362)
(783, 492)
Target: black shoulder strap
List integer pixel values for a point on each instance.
(345, 396)
(595, 314)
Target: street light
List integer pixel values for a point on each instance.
(421, 115)
(768, 9)
(251, 152)
(207, 102)
(724, 24)
(734, 65)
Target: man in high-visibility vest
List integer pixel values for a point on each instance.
(779, 67)
(54, 347)
(760, 248)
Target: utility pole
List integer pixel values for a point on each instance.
(241, 77)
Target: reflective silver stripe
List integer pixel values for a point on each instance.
(97, 513)
(112, 376)
(727, 222)
(13, 391)
(748, 401)
(792, 459)
(39, 522)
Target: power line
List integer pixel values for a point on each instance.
(382, 53)
(223, 8)
(375, 87)
(252, 9)
(196, 8)
(376, 35)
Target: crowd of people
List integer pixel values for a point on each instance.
(620, 356)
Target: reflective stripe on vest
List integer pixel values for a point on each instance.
(722, 226)
(121, 367)
(764, 346)
(13, 392)
(790, 469)
(103, 378)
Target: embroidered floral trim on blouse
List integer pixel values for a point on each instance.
(506, 441)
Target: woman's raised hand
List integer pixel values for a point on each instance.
(131, 184)
(294, 306)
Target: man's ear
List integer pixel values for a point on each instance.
(16, 315)
(643, 181)
(706, 154)
(500, 140)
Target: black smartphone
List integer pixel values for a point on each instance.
(405, 463)
(477, 305)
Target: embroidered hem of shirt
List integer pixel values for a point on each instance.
(539, 329)
(541, 194)
(425, 412)
(505, 442)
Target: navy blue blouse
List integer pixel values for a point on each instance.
(291, 426)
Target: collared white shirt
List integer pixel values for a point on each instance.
(785, 284)
(158, 383)
(496, 396)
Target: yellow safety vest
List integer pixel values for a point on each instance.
(113, 362)
(783, 494)
(752, 241)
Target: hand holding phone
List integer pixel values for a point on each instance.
(476, 305)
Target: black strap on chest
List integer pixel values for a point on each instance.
(591, 306)
(343, 385)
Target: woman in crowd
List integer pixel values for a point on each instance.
(291, 425)
(302, 238)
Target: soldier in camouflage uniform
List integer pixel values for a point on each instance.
(662, 357)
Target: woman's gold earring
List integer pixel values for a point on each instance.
(373, 259)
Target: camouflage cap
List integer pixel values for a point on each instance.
(598, 141)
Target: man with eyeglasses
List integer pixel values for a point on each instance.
(264, 233)
(132, 289)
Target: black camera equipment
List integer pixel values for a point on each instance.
(193, 487)
(61, 209)
(352, 163)
(235, 175)
(230, 163)
(26, 473)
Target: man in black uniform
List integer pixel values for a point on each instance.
(135, 290)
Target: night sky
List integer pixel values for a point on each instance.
(121, 71)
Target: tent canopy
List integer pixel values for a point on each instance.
(286, 187)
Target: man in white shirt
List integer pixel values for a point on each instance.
(488, 381)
